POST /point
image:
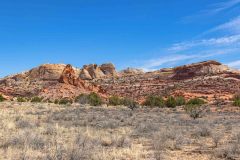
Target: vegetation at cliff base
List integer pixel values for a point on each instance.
(2, 98)
(154, 101)
(236, 100)
(196, 101)
(171, 102)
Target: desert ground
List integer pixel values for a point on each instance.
(46, 131)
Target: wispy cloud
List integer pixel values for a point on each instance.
(222, 6)
(221, 41)
(233, 26)
(226, 40)
(213, 9)
(195, 50)
(234, 64)
(154, 64)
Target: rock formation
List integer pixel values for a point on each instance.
(93, 71)
(46, 72)
(131, 71)
(68, 75)
(52, 81)
(108, 69)
(199, 69)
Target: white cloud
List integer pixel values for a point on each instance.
(218, 7)
(204, 48)
(233, 26)
(213, 9)
(154, 64)
(234, 64)
(213, 42)
(151, 64)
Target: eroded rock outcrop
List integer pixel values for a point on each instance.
(108, 69)
(68, 75)
(52, 81)
(84, 74)
(48, 81)
(131, 71)
(199, 69)
(93, 71)
(46, 72)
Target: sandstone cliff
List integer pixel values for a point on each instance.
(52, 81)
(200, 69)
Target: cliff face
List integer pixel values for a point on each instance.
(51, 81)
(200, 69)
(54, 81)
(207, 79)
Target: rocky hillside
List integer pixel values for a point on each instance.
(209, 79)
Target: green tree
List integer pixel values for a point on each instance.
(82, 99)
(196, 101)
(94, 99)
(171, 102)
(236, 100)
(115, 101)
(130, 103)
(2, 98)
(154, 101)
(180, 101)
(36, 99)
(21, 99)
(194, 111)
(65, 101)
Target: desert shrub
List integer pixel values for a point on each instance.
(129, 103)
(17, 141)
(216, 138)
(194, 111)
(36, 99)
(203, 130)
(50, 101)
(65, 101)
(94, 99)
(23, 124)
(236, 96)
(229, 151)
(195, 101)
(236, 100)
(26, 139)
(145, 128)
(56, 101)
(2, 98)
(115, 101)
(21, 99)
(82, 99)
(154, 101)
(171, 102)
(36, 142)
(180, 101)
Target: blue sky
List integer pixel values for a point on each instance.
(148, 34)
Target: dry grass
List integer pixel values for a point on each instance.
(50, 132)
